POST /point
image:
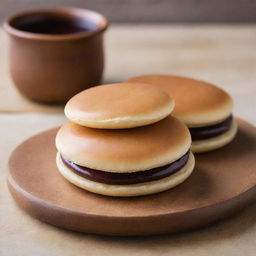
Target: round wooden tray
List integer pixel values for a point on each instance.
(223, 182)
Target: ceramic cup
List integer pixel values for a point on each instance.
(55, 53)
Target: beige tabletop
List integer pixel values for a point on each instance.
(224, 55)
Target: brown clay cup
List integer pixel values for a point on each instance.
(56, 53)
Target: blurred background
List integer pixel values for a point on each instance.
(144, 11)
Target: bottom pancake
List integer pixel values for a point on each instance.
(216, 142)
(137, 189)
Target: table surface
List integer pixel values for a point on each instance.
(224, 55)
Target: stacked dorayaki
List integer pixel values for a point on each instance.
(121, 140)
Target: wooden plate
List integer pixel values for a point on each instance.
(223, 183)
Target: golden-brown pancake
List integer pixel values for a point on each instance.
(124, 150)
(197, 103)
(116, 106)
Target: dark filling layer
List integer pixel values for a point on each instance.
(205, 132)
(127, 178)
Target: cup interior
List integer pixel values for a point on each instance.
(58, 22)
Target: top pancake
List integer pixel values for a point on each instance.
(116, 106)
(124, 150)
(197, 103)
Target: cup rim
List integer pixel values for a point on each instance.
(70, 11)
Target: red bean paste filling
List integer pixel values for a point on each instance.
(206, 132)
(127, 178)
